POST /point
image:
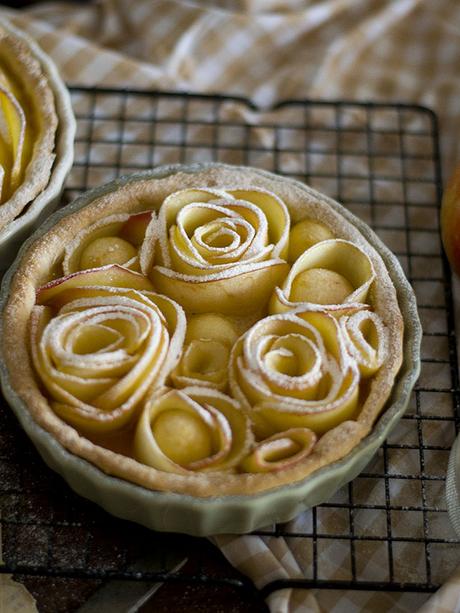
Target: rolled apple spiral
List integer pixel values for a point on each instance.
(194, 429)
(366, 340)
(206, 352)
(294, 370)
(333, 275)
(101, 350)
(224, 248)
(203, 362)
(280, 451)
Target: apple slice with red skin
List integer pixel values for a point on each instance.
(108, 276)
(133, 230)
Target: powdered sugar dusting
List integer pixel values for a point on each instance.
(301, 203)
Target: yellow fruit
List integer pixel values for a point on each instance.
(211, 326)
(220, 250)
(107, 250)
(320, 286)
(305, 234)
(328, 273)
(280, 451)
(11, 148)
(182, 436)
(242, 291)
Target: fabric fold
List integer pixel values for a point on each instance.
(265, 559)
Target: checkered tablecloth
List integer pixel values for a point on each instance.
(268, 50)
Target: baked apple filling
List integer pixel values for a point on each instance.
(28, 124)
(100, 352)
(217, 339)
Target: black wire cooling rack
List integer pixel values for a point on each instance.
(390, 526)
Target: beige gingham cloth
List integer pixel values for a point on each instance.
(269, 50)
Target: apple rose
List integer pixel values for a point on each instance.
(280, 451)
(333, 275)
(224, 249)
(293, 370)
(101, 350)
(204, 361)
(366, 340)
(194, 429)
(112, 240)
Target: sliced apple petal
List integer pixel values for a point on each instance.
(134, 228)
(2, 176)
(108, 276)
(241, 289)
(276, 213)
(219, 247)
(61, 386)
(16, 124)
(150, 246)
(343, 272)
(318, 416)
(280, 451)
(366, 340)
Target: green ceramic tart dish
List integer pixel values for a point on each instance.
(208, 348)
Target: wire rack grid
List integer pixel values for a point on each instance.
(388, 529)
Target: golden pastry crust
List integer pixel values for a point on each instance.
(22, 69)
(39, 262)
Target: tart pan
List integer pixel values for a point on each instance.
(168, 511)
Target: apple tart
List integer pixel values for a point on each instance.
(211, 331)
(28, 125)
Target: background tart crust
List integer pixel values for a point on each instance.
(20, 65)
(36, 266)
